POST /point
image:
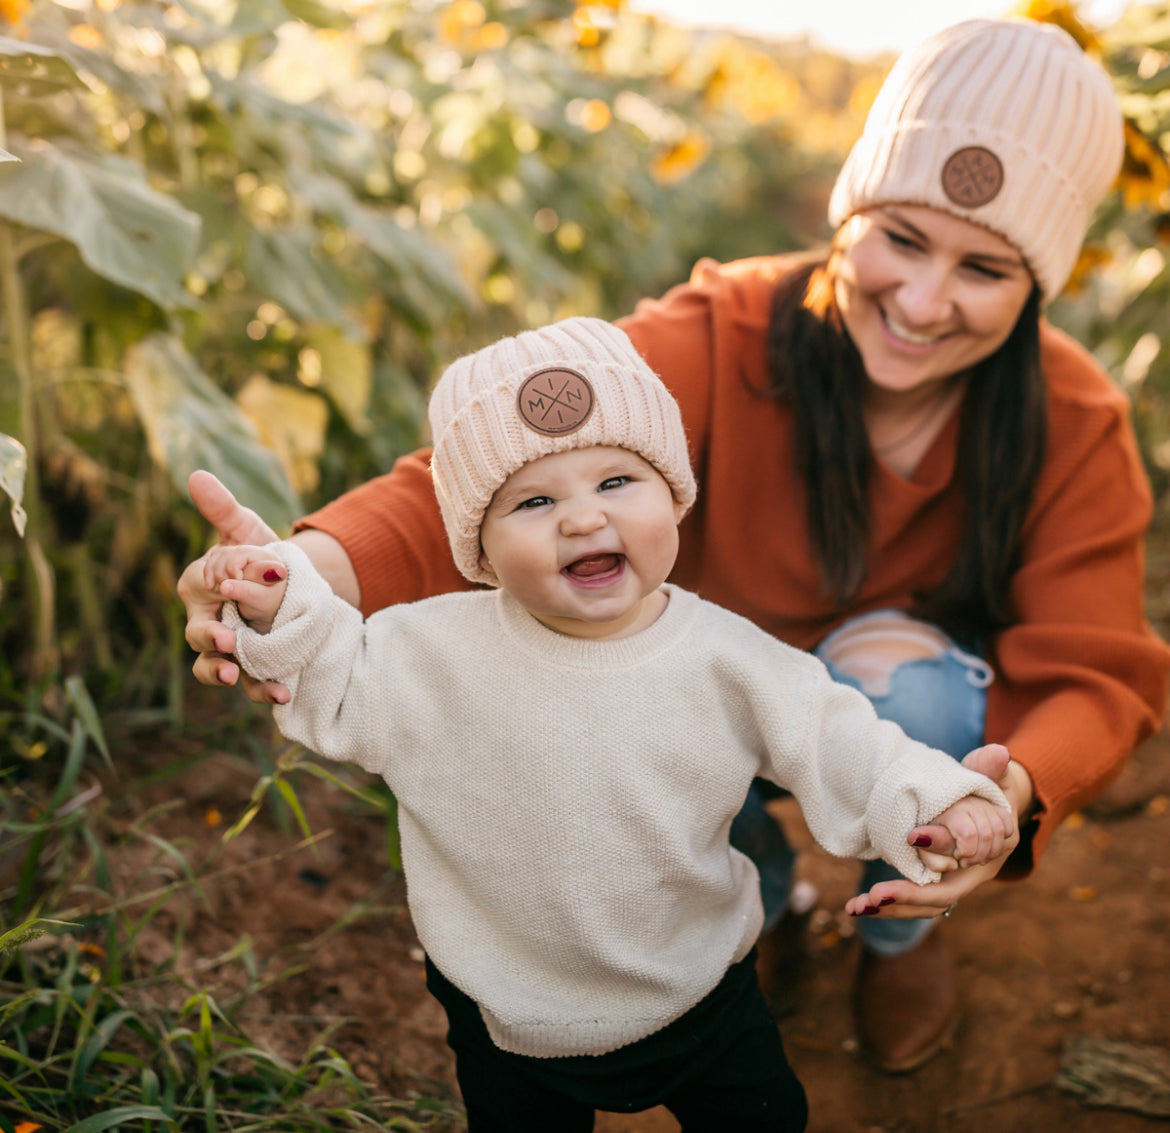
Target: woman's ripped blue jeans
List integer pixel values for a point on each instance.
(941, 701)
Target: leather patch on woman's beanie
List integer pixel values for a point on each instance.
(972, 176)
(555, 402)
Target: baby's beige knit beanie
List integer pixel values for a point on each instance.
(1006, 123)
(574, 384)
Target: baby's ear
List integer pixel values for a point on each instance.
(485, 564)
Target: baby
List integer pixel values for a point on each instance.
(568, 749)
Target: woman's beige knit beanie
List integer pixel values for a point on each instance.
(1006, 123)
(571, 385)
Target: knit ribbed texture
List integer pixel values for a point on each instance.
(481, 437)
(564, 804)
(1022, 90)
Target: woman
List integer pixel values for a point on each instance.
(901, 467)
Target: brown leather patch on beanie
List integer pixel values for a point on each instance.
(972, 176)
(555, 402)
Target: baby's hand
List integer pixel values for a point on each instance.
(251, 577)
(978, 832)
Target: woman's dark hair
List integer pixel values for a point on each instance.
(1002, 435)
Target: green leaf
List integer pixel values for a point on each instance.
(246, 18)
(19, 936)
(124, 230)
(242, 823)
(115, 1117)
(288, 793)
(519, 245)
(97, 1043)
(13, 462)
(238, 18)
(316, 135)
(409, 253)
(17, 1056)
(87, 712)
(103, 67)
(287, 266)
(74, 758)
(150, 1090)
(191, 424)
(318, 15)
(32, 69)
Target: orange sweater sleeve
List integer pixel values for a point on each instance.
(1081, 678)
(393, 532)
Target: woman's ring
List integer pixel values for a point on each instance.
(949, 909)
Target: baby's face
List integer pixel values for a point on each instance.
(583, 540)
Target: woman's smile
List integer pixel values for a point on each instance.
(924, 295)
(907, 337)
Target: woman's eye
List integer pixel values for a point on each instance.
(535, 501)
(985, 271)
(612, 482)
(900, 241)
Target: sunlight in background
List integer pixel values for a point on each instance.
(858, 28)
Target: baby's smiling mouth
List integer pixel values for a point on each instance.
(594, 566)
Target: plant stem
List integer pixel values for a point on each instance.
(44, 655)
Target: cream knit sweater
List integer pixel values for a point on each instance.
(564, 804)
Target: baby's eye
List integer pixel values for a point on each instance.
(612, 482)
(534, 502)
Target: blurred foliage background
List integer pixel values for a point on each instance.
(246, 235)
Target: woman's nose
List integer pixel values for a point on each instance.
(925, 297)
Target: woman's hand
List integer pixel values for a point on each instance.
(904, 900)
(206, 634)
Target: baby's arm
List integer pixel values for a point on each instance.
(862, 784)
(337, 668)
(252, 577)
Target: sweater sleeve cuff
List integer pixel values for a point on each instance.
(296, 632)
(912, 792)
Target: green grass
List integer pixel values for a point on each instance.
(95, 1035)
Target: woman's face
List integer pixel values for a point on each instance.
(925, 295)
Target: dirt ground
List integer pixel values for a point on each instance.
(1080, 949)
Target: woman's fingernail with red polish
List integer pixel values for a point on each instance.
(274, 576)
(923, 840)
(889, 901)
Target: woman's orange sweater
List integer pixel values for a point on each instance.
(1080, 680)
